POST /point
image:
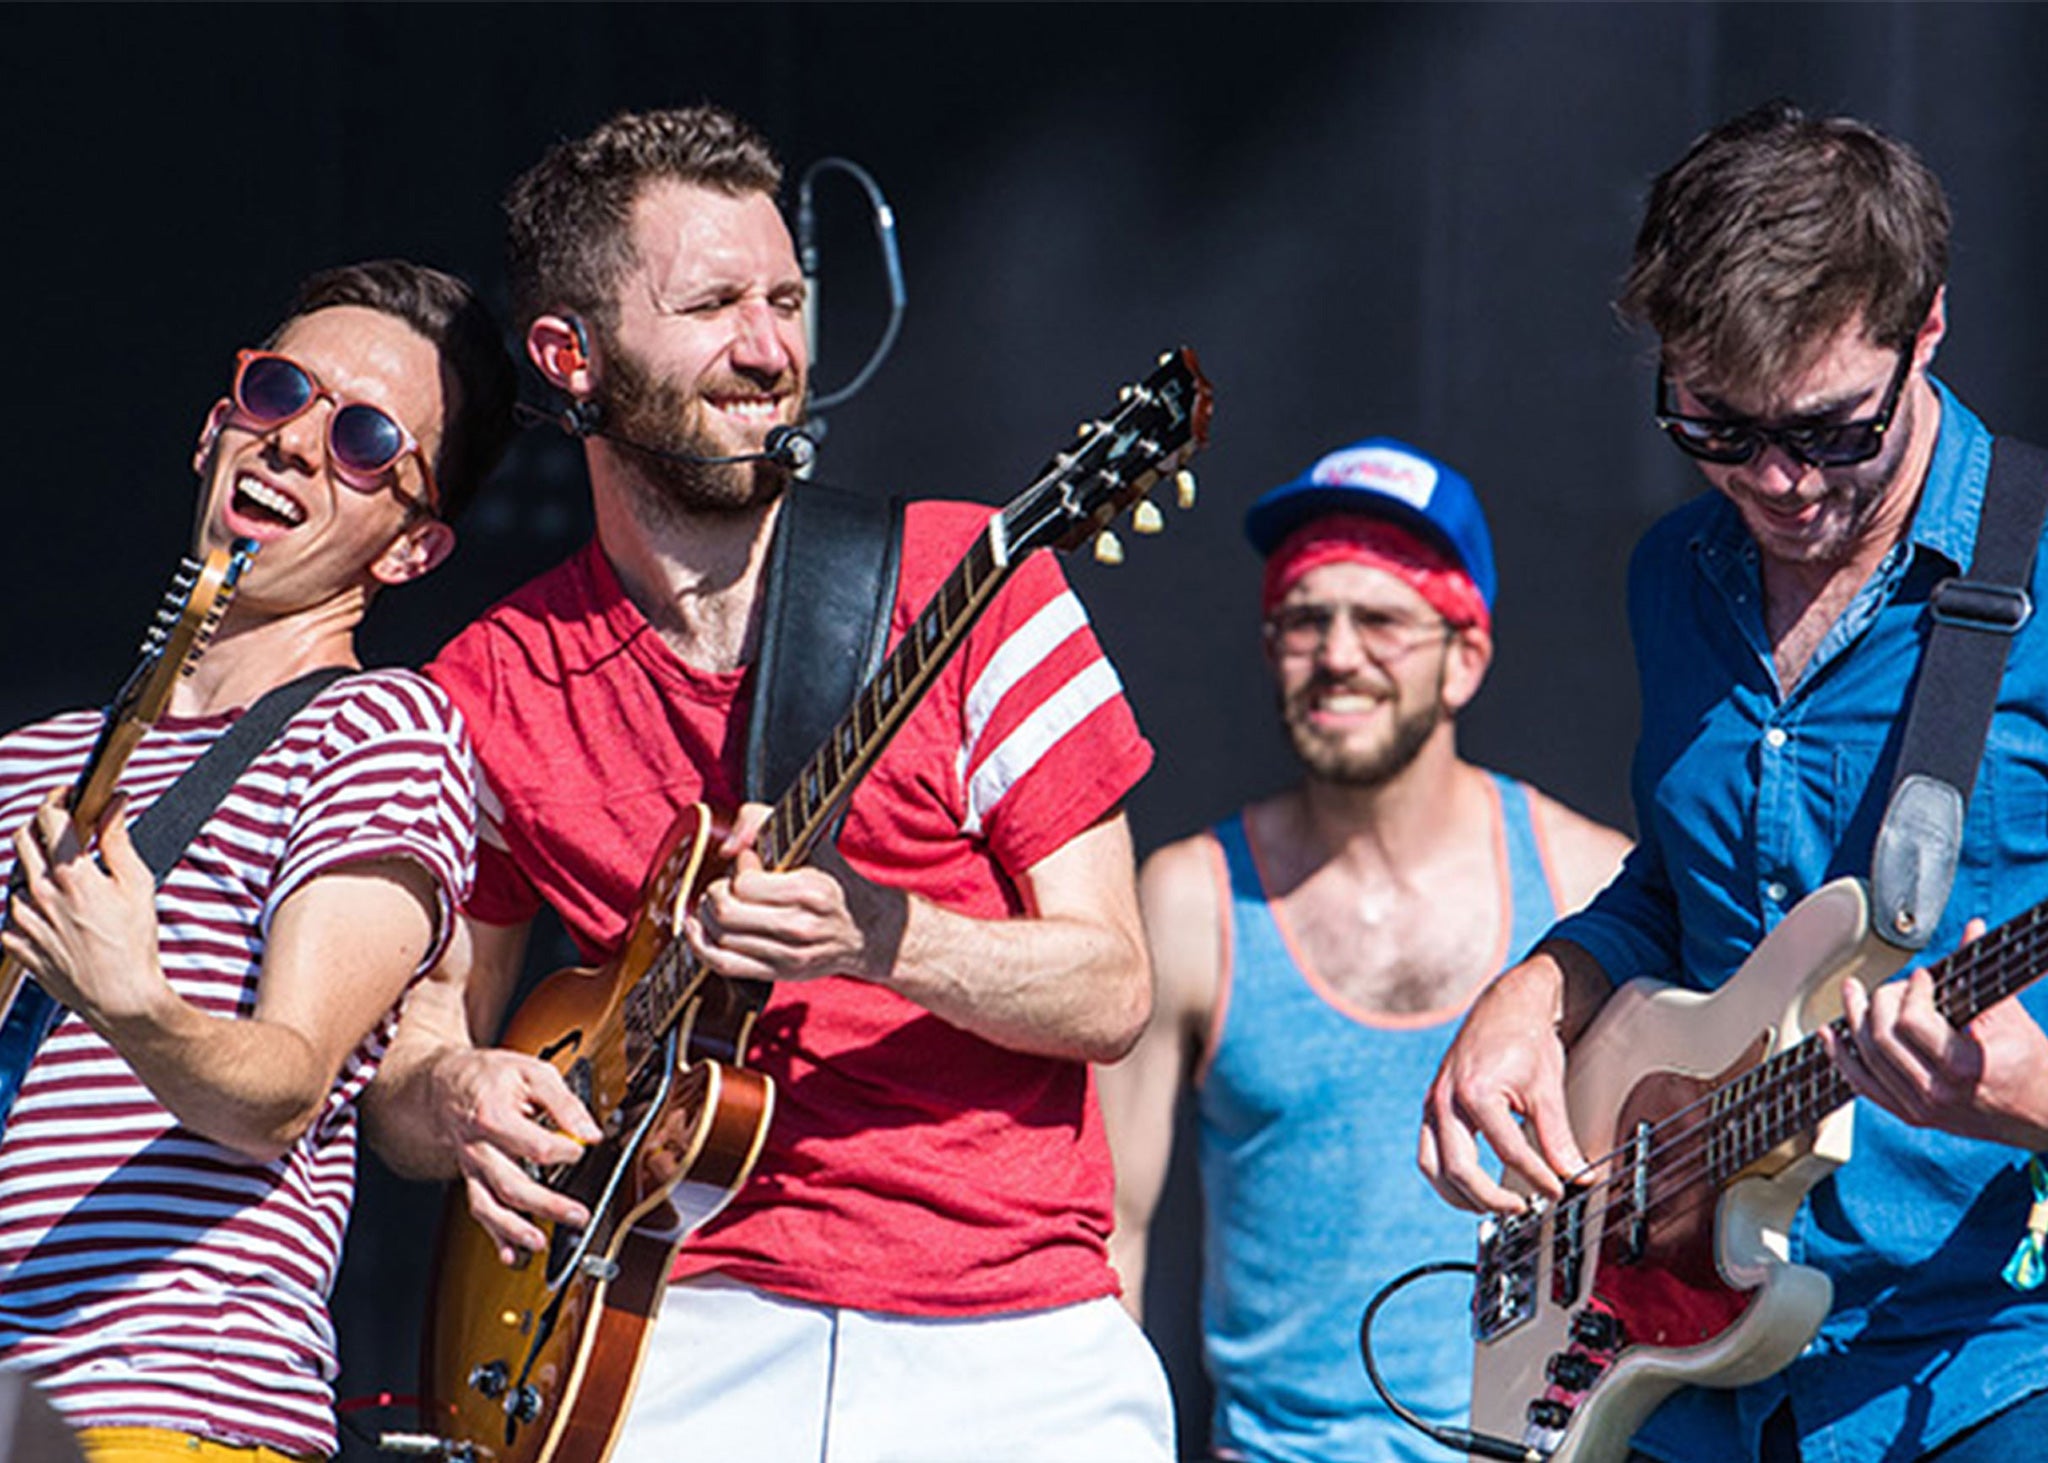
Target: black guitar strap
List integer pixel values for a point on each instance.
(1975, 618)
(164, 830)
(831, 583)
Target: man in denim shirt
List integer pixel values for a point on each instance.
(1793, 269)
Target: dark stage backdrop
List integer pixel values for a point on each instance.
(1367, 219)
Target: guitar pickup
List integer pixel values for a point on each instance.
(1568, 1247)
(1638, 1242)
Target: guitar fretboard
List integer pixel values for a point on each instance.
(1784, 1095)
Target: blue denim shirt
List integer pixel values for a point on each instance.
(1748, 800)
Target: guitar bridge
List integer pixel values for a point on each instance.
(1504, 1286)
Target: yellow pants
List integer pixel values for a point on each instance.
(161, 1445)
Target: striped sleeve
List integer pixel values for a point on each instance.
(1048, 741)
(392, 780)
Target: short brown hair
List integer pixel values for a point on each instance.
(569, 217)
(448, 314)
(1774, 231)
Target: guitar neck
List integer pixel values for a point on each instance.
(191, 610)
(1784, 1096)
(804, 813)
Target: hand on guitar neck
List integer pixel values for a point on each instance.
(818, 919)
(83, 924)
(1988, 1079)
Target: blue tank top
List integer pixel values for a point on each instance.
(1308, 1113)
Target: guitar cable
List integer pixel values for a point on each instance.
(1457, 1439)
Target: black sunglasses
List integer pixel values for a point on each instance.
(1817, 444)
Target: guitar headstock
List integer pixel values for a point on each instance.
(1156, 427)
(191, 610)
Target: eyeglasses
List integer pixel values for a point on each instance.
(364, 442)
(1303, 629)
(1817, 444)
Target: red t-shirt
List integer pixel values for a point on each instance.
(910, 1166)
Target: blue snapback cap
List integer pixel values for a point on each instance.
(1386, 479)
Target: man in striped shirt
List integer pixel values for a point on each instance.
(934, 1199)
(175, 1176)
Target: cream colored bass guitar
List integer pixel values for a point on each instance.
(1667, 1264)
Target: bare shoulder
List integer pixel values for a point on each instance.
(1179, 893)
(1583, 854)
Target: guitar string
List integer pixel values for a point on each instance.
(1982, 974)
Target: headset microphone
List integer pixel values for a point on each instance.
(792, 447)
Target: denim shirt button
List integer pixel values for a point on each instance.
(1775, 892)
(1777, 736)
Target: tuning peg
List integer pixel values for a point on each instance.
(1184, 488)
(1125, 393)
(1146, 517)
(1108, 549)
(1085, 428)
(1166, 357)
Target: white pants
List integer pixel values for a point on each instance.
(735, 1371)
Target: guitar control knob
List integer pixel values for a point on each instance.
(1598, 1330)
(1572, 1373)
(490, 1378)
(523, 1405)
(1549, 1415)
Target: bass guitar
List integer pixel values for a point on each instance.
(536, 1363)
(1666, 1264)
(189, 613)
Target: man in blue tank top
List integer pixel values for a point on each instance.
(1314, 954)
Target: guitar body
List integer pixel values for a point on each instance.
(1582, 1333)
(536, 1363)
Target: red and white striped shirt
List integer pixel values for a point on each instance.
(149, 1276)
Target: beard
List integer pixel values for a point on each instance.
(1347, 763)
(652, 414)
(1851, 498)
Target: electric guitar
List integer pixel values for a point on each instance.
(1668, 1265)
(185, 620)
(536, 1363)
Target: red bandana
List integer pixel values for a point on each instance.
(1379, 544)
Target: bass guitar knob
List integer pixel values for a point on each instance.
(523, 1405)
(1571, 1372)
(1598, 1330)
(1549, 1415)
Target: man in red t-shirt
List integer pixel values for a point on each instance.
(918, 1266)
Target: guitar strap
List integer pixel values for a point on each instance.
(170, 823)
(161, 836)
(830, 589)
(1975, 618)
